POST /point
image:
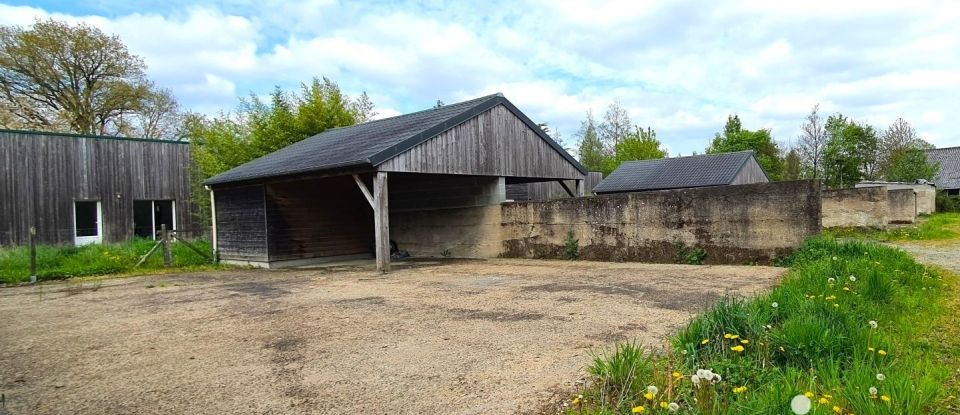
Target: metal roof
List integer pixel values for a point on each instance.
(371, 143)
(675, 173)
(949, 158)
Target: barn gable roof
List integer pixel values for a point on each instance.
(372, 143)
(675, 173)
(949, 175)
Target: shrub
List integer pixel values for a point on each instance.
(571, 247)
(947, 203)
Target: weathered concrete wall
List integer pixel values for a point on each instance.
(733, 224)
(866, 207)
(903, 205)
(926, 194)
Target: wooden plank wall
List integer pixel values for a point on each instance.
(750, 173)
(41, 175)
(241, 223)
(495, 143)
(318, 218)
(550, 190)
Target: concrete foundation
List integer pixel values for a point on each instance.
(866, 207)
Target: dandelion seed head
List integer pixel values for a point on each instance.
(800, 405)
(873, 390)
(881, 377)
(853, 279)
(774, 305)
(673, 407)
(873, 324)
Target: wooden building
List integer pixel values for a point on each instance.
(78, 189)
(705, 170)
(327, 196)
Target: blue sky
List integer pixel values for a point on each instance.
(678, 66)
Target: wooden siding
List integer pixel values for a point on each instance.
(412, 192)
(494, 143)
(318, 218)
(241, 223)
(750, 173)
(41, 175)
(550, 190)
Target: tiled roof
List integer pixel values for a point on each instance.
(675, 173)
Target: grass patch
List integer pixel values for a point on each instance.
(62, 262)
(936, 227)
(847, 317)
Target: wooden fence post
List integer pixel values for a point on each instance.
(33, 254)
(165, 240)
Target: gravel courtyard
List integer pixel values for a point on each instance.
(458, 337)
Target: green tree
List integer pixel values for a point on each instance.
(62, 77)
(261, 127)
(736, 138)
(909, 165)
(850, 153)
(592, 151)
(641, 144)
(792, 169)
(615, 127)
(897, 138)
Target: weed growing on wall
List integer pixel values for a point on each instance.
(694, 255)
(571, 247)
(834, 335)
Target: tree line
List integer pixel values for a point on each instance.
(838, 150)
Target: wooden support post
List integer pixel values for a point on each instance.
(581, 188)
(165, 240)
(365, 191)
(213, 226)
(566, 188)
(381, 221)
(33, 254)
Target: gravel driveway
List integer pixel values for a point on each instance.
(458, 337)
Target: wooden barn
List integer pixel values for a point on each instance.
(704, 170)
(79, 189)
(415, 181)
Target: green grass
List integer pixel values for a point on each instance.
(61, 262)
(810, 334)
(936, 227)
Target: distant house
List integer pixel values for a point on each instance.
(80, 189)
(948, 179)
(684, 172)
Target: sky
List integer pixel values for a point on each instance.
(680, 67)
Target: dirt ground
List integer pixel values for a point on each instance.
(460, 337)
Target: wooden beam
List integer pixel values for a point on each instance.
(581, 188)
(213, 226)
(565, 187)
(366, 192)
(381, 221)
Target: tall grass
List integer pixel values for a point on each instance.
(813, 334)
(60, 262)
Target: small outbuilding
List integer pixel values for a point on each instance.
(684, 172)
(327, 196)
(925, 194)
(948, 178)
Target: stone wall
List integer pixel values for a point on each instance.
(866, 207)
(733, 224)
(902, 205)
(926, 194)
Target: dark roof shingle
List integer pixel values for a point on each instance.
(949, 175)
(675, 173)
(370, 143)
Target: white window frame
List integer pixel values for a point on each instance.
(86, 240)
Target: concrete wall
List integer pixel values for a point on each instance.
(733, 224)
(855, 208)
(926, 194)
(903, 205)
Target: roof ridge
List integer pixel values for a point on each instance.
(692, 156)
(93, 136)
(485, 97)
(943, 148)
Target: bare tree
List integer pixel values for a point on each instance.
(615, 126)
(811, 143)
(158, 116)
(899, 137)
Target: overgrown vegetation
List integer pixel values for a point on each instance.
(571, 247)
(936, 227)
(947, 203)
(690, 255)
(61, 262)
(850, 327)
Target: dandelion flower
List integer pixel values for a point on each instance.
(831, 280)
(830, 297)
(881, 377)
(882, 352)
(649, 396)
(638, 409)
(663, 405)
(823, 400)
(873, 391)
(744, 341)
(705, 341)
(576, 400)
(774, 305)
(834, 258)
(837, 409)
(873, 324)
(652, 389)
(740, 389)
(673, 407)
(885, 398)
(800, 404)
(808, 394)
(695, 379)
(737, 348)
(782, 349)
(677, 375)
(846, 288)
(871, 350)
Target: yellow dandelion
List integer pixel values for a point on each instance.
(882, 352)
(744, 341)
(808, 394)
(885, 398)
(638, 409)
(828, 396)
(837, 409)
(823, 400)
(740, 389)
(677, 375)
(577, 399)
(831, 297)
(845, 289)
(737, 348)
(782, 349)
(705, 341)
(649, 396)
(664, 405)
(871, 350)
